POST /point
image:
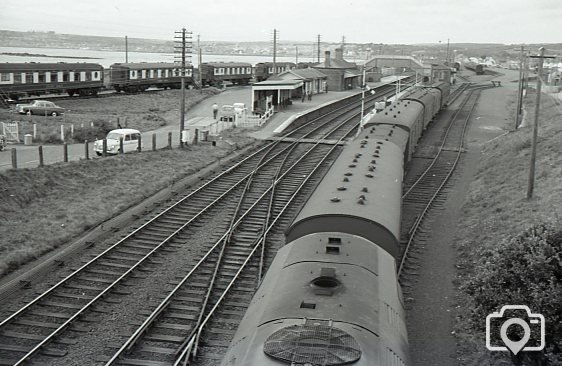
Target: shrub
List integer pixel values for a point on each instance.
(100, 130)
(525, 270)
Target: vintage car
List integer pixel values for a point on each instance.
(40, 107)
(130, 141)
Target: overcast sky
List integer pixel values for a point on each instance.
(361, 21)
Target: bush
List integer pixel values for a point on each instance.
(524, 270)
(99, 131)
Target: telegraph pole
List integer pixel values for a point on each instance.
(274, 51)
(183, 48)
(199, 62)
(318, 48)
(531, 184)
(519, 89)
(521, 86)
(447, 57)
(126, 50)
(296, 54)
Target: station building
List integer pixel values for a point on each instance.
(342, 75)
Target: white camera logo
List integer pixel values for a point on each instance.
(516, 346)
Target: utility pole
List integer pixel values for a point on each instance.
(296, 54)
(318, 48)
(274, 51)
(199, 62)
(126, 50)
(183, 49)
(342, 44)
(519, 110)
(531, 184)
(447, 60)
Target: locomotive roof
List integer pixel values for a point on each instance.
(58, 66)
(149, 65)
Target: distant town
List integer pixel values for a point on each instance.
(490, 54)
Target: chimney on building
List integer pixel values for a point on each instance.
(327, 58)
(339, 54)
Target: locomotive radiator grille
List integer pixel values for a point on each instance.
(312, 344)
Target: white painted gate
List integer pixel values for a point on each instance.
(11, 131)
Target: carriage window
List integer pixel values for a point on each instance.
(96, 74)
(53, 77)
(88, 76)
(65, 76)
(17, 78)
(29, 78)
(135, 136)
(41, 77)
(4, 77)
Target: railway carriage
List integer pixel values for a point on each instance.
(263, 70)
(477, 68)
(135, 77)
(216, 73)
(331, 295)
(36, 79)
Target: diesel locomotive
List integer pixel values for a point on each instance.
(331, 295)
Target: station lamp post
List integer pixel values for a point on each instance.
(364, 87)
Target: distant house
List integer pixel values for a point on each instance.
(341, 74)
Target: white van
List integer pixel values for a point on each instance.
(130, 141)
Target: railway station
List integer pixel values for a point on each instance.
(370, 205)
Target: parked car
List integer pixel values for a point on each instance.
(40, 107)
(130, 141)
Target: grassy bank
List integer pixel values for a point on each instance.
(143, 111)
(45, 207)
(496, 211)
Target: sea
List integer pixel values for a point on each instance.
(106, 58)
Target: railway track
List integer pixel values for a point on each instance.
(261, 182)
(426, 191)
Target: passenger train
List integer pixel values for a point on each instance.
(35, 79)
(331, 295)
(477, 68)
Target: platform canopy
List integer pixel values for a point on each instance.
(279, 90)
(290, 84)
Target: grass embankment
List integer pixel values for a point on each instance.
(142, 111)
(45, 207)
(496, 210)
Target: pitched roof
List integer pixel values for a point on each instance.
(308, 73)
(336, 64)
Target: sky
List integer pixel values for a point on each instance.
(360, 21)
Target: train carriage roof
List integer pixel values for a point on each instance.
(57, 66)
(227, 64)
(148, 65)
(359, 195)
(403, 113)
